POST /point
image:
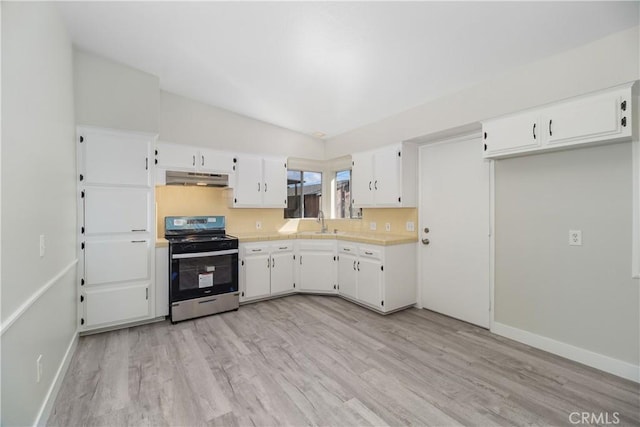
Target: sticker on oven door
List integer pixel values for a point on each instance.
(205, 280)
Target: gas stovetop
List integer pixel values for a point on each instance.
(200, 238)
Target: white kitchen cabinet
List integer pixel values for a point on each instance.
(116, 210)
(116, 260)
(109, 157)
(370, 281)
(115, 233)
(347, 270)
(259, 182)
(602, 117)
(188, 158)
(385, 177)
(317, 266)
(107, 306)
(162, 282)
(513, 134)
(266, 269)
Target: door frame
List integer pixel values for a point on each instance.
(491, 226)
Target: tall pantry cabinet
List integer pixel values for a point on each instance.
(115, 220)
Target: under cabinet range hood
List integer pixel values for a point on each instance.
(199, 179)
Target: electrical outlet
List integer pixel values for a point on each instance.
(38, 368)
(575, 237)
(387, 226)
(258, 225)
(42, 246)
(372, 226)
(410, 226)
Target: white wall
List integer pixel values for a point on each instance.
(580, 295)
(606, 62)
(185, 121)
(113, 95)
(38, 197)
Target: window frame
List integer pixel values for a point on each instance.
(301, 195)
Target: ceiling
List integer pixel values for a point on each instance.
(331, 67)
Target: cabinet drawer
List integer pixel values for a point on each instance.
(282, 247)
(368, 252)
(346, 248)
(315, 245)
(256, 248)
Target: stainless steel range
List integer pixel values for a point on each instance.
(203, 267)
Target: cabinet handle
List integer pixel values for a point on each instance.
(202, 160)
(273, 262)
(358, 265)
(265, 187)
(268, 262)
(138, 241)
(369, 185)
(550, 133)
(368, 253)
(375, 184)
(194, 160)
(300, 259)
(258, 187)
(142, 229)
(147, 293)
(354, 265)
(283, 247)
(534, 130)
(623, 106)
(623, 122)
(256, 250)
(146, 163)
(346, 249)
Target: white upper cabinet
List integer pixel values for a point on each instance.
(601, 117)
(116, 210)
(259, 182)
(513, 134)
(114, 158)
(188, 158)
(386, 177)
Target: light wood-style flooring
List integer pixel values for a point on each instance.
(313, 360)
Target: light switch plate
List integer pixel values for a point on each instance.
(372, 226)
(575, 237)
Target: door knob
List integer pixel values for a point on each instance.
(425, 241)
(426, 229)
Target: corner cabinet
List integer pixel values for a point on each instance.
(317, 266)
(601, 117)
(260, 182)
(379, 277)
(385, 177)
(115, 228)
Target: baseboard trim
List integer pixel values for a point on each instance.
(586, 357)
(13, 317)
(52, 393)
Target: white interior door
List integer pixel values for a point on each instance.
(455, 207)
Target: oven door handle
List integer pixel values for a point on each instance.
(204, 254)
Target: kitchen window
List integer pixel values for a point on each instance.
(343, 205)
(304, 194)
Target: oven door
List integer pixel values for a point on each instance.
(199, 274)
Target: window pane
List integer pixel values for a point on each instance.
(343, 194)
(312, 193)
(294, 194)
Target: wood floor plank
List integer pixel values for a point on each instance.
(321, 361)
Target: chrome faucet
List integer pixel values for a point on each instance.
(321, 221)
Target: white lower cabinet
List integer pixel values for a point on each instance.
(116, 260)
(266, 269)
(108, 305)
(317, 266)
(380, 277)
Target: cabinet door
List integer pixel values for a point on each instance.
(512, 134)
(115, 159)
(370, 281)
(583, 120)
(347, 275)
(362, 180)
(249, 187)
(116, 210)
(117, 304)
(162, 282)
(275, 183)
(316, 271)
(176, 157)
(281, 272)
(212, 161)
(120, 260)
(257, 275)
(387, 176)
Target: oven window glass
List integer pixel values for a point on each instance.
(204, 275)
